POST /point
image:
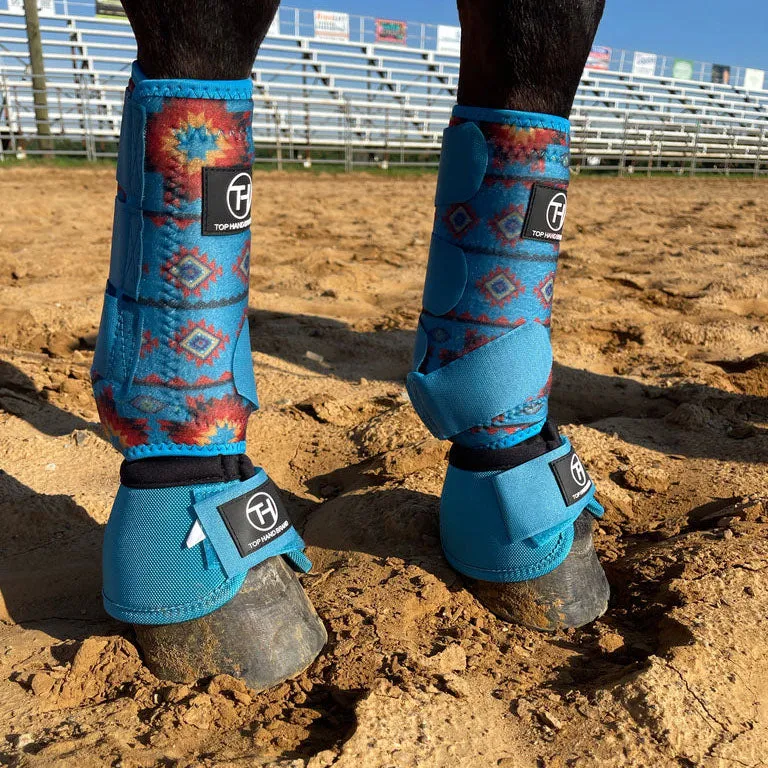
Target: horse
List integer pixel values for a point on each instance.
(199, 552)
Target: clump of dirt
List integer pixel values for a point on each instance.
(99, 667)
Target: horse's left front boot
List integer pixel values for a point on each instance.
(517, 505)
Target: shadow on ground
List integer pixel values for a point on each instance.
(636, 412)
(19, 396)
(50, 562)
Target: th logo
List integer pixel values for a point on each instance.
(239, 195)
(261, 512)
(556, 212)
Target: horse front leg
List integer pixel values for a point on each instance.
(517, 506)
(199, 550)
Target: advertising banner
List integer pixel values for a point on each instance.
(644, 64)
(331, 26)
(44, 7)
(448, 39)
(109, 8)
(599, 57)
(388, 31)
(754, 79)
(721, 73)
(682, 69)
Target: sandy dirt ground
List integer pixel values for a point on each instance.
(661, 381)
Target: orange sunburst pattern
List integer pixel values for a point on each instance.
(122, 432)
(527, 146)
(213, 422)
(188, 134)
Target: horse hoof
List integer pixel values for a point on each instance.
(572, 595)
(269, 632)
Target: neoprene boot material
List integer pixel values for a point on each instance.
(483, 363)
(173, 377)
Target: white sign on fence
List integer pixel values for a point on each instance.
(644, 63)
(754, 79)
(331, 26)
(44, 7)
(448, 39)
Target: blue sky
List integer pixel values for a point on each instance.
(723, 31)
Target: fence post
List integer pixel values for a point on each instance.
(650, 153)
(291, 151)
(386, 136)
(402, 134)
(7, 110)
(278, 138)
(90, 151)
(758, 157)
(39, 90)
(660, 154)
(694, 155)
(347, 137)
(623, 158)
(18, 124)
(307, 126)
(8, 117)
(61, 112)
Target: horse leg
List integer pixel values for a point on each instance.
(517, 506)
(199, 40)
(523, 55)
(197, 547)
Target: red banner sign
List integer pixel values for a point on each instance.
(388, 31)
(599, 57)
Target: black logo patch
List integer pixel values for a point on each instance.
(546, 214)
(572, 478)
(256, 518)
(227, 196)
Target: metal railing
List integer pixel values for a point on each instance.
(300, 22)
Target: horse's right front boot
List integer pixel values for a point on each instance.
(199, 551)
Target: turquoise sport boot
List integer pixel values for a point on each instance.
(199, 550)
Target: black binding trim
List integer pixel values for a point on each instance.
(488, 459)
(171, 471)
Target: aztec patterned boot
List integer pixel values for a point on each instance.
(198, 550)
(517, 504)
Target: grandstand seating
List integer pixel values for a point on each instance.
(360, 102)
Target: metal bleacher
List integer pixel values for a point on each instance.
(364, 102)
